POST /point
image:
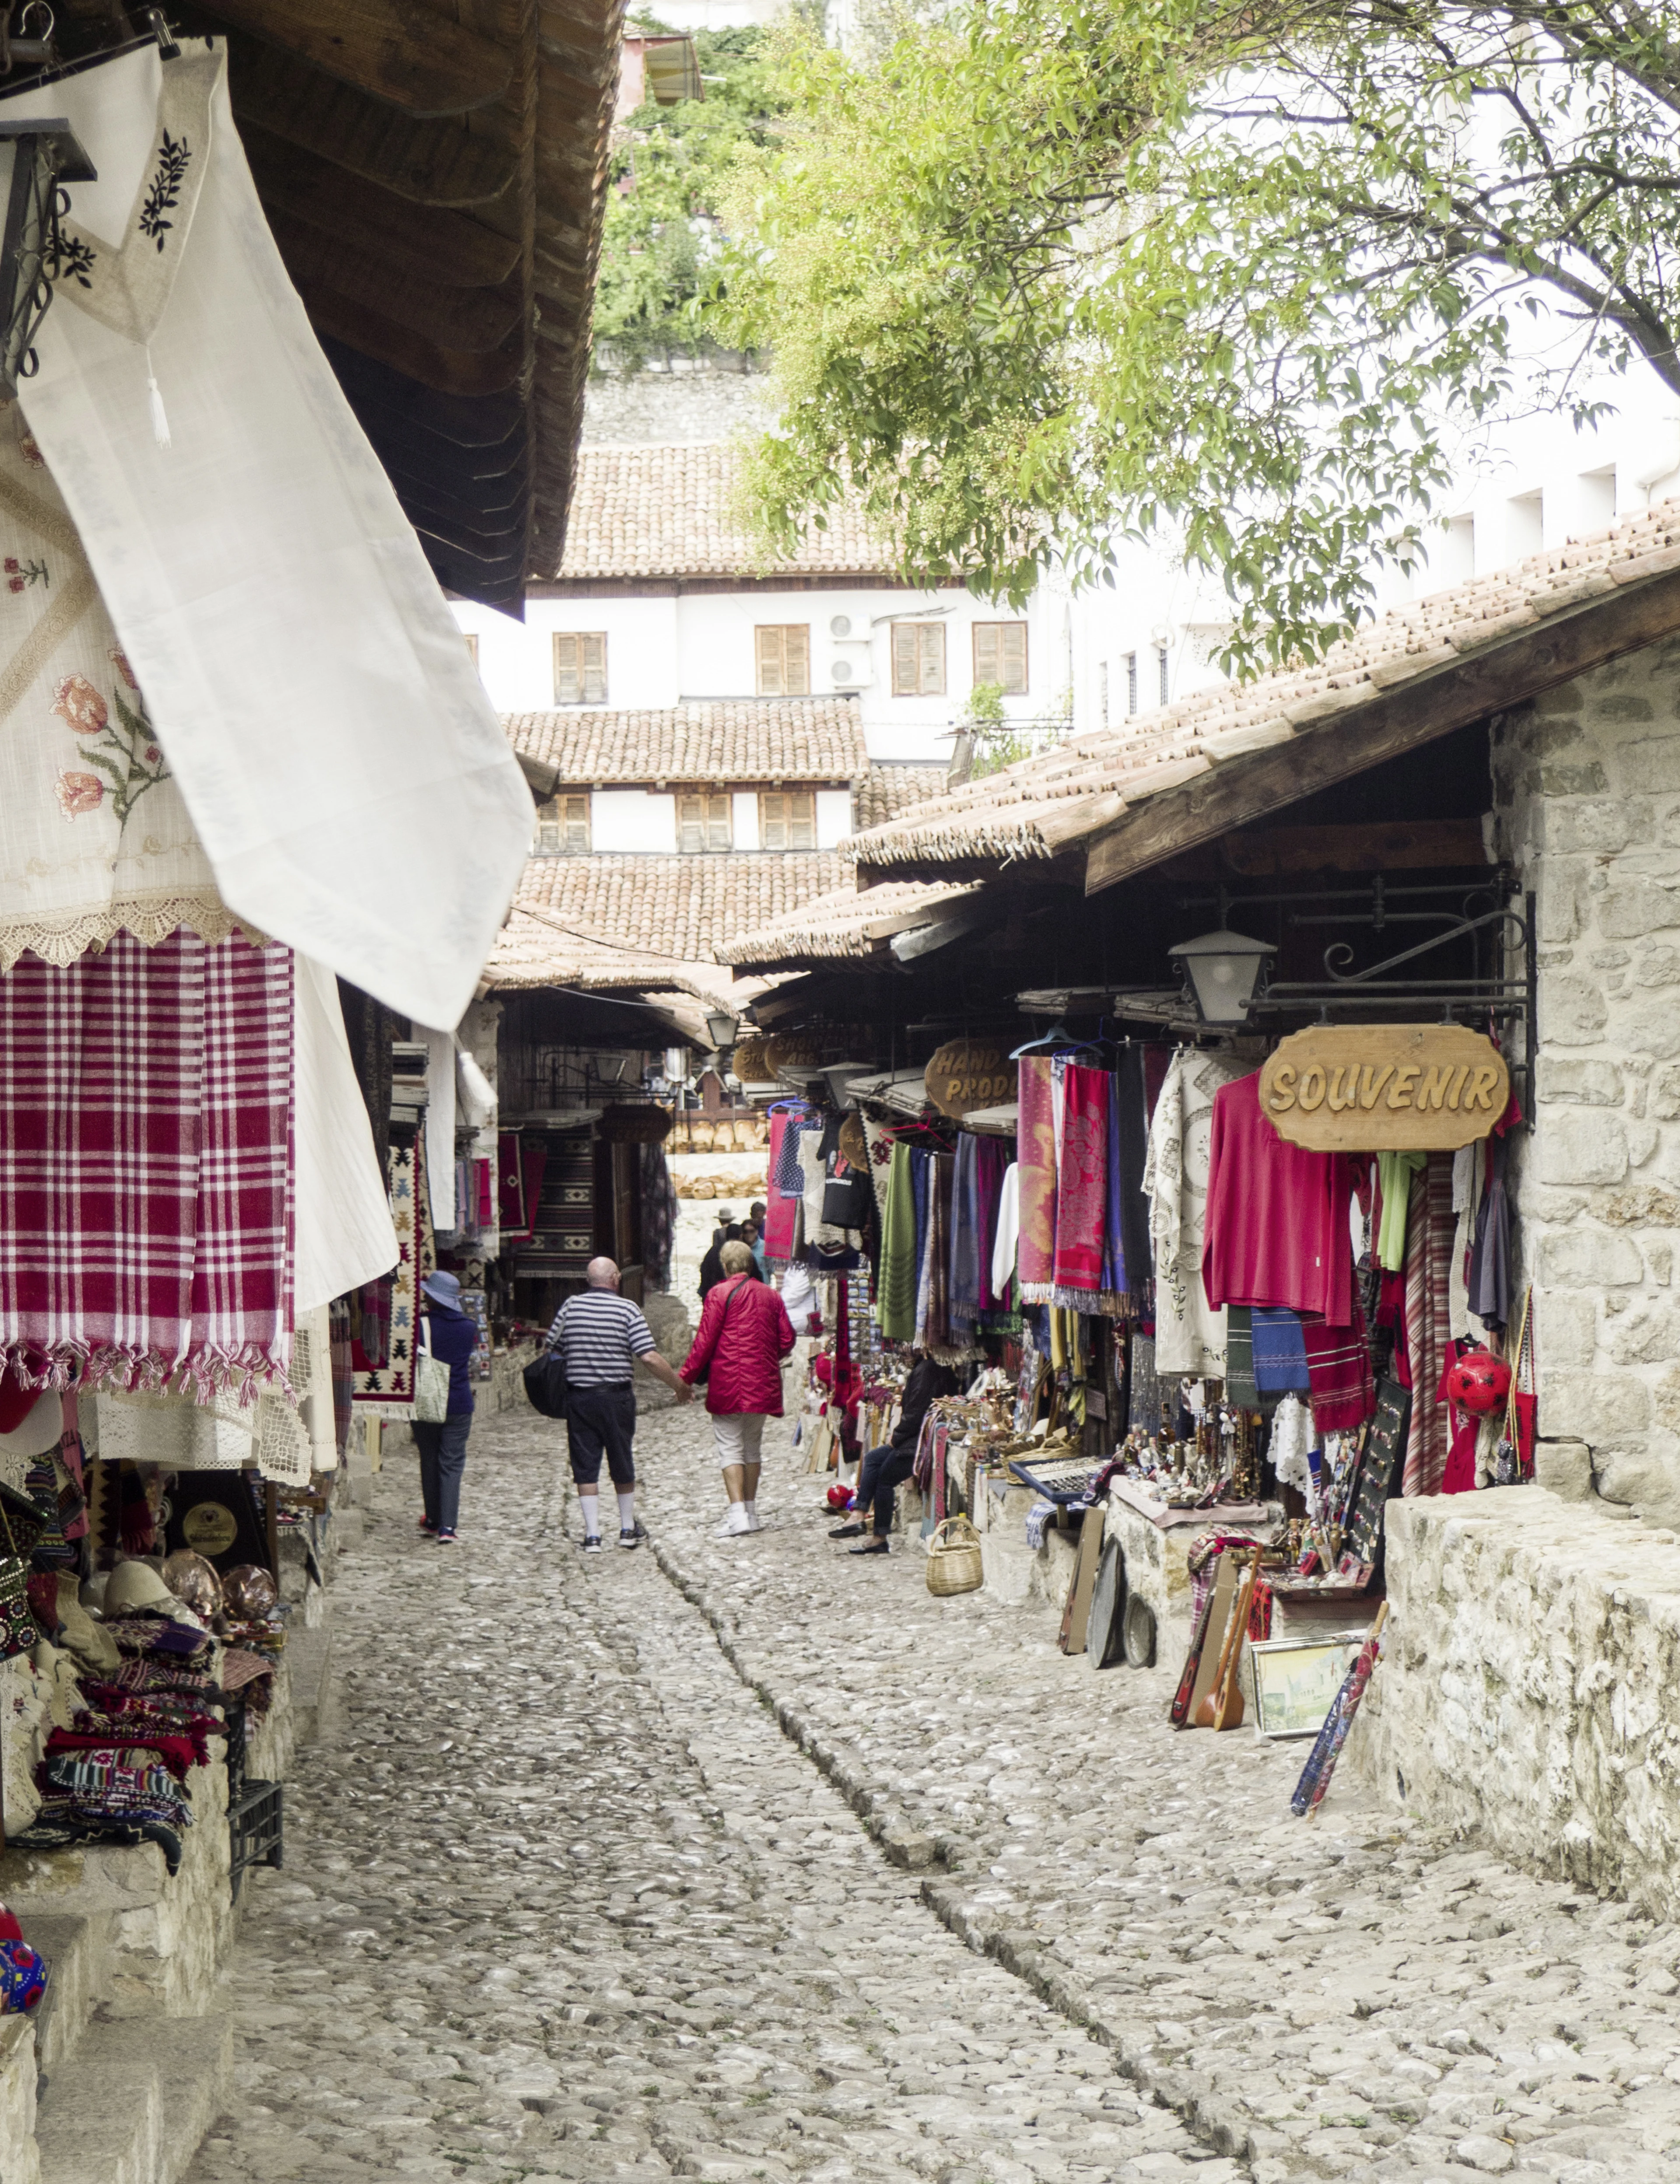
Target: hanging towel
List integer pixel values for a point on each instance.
(1280, 1353)
(1134, 1147)
(1338, 1365)
(1037, 1181)
(991, 1163)
(1006, 1236)
(896, 1293)
(1239, 1357)
(964, 1283)
(1081, 1180)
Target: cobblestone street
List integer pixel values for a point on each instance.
(935, 1904)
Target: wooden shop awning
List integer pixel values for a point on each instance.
(435, 178)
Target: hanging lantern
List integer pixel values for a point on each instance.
(1223, 972)
(36, 156)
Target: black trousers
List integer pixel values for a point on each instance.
(882, 1472)
(602, 1419)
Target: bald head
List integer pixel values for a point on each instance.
(601, 1274)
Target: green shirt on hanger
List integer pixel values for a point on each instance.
(1394, 1172)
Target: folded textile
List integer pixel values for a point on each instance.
(164, 1244)
(176, 1753)
(1339, 1367)
(60, 1823)
(1280, 1353)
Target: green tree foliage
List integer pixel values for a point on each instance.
(1237, 278)
(667, 169)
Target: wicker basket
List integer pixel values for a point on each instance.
(954, 1563)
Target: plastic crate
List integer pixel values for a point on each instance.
(256, 1828)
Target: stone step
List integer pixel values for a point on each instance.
(77, 1948)
(19, 2159)
(137, 2105)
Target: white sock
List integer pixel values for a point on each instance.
(590, 1504)
(626, 1510)
(751, 1507)
(738, 1519)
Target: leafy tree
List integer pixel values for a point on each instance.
(1235, 277)
(668, 165)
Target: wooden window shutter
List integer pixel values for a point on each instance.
(575, 829)
(770, 663)
(772, 821)
(594, 668)
(718, 830)
(802, 819)
(797, 660)
(1012, 656)
(985, 667)
(690, 826)
(932, 659)
(905, 662)
(568, 688)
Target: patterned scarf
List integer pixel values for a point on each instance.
(967, 1281)
(1036, 1258)
(386, 1389)
(896, 1297)
(1082, 1182)
(146, 1221)
(1428, 1274)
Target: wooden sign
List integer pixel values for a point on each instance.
(1384, 1088)
(962, 1077)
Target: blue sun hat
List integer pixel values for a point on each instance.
(443, 1289)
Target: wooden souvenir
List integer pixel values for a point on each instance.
(1104, 1629)
(1075, 1616)
(215, 1513)
(1217, 1619)
(1378, 1088)
(1222, 1707)
(963, 1075)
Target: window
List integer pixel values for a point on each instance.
(918, 660)
(787, 819)
(703, 824)
(580, 667)
(563, 827)
(784, 659)
(1000, 655)
(1131, 681)
(472, 646)
(1161, 667)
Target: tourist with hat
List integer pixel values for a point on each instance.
(449, 1334)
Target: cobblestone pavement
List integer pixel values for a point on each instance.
(561, 1902)
(564, 1902)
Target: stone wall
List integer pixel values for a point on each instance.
(1529, 1691)
(1586, 787)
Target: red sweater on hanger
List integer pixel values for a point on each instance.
(1277, 1229)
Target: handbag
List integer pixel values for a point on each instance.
(546, 1388)
(705, 1371)
(431, 1380)
(19, 1630)
(847, 1200)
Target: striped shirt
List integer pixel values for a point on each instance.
(599, 1334)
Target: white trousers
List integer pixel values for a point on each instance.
(738, 1434)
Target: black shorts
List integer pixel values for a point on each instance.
(597, 1420)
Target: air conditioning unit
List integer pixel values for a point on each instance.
(851, 666)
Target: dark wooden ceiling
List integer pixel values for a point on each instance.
(435, 176)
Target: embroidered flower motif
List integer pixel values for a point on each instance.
(79, 793)
(154, 754)
(118, 659)
(80, 706)
(20, 575)
(29, 448)
(175, 156)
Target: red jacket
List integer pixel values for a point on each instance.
(744, 1344)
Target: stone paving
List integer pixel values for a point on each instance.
(562, 1903)
(582, 1891)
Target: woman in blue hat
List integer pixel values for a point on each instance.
(452, 1336)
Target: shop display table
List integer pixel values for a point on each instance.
(1156, 1540)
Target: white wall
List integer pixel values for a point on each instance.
(664, 651)
(632, 819)
(833, 817)
(745, 829)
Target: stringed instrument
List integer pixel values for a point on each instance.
(1223, 1707)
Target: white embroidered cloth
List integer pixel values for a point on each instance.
(94, 835)
(345, 771)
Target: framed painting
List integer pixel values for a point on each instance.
(1296, 1680)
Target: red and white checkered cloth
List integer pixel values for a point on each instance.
(146, 1207)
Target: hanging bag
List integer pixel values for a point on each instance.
(847, 1200)
(431, 1380)
(546, 1387)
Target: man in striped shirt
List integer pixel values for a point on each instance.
(599, 1335)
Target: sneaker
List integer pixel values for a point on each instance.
(726, 1523)
(738, 1523)
(426, 1524)
(634, 1537)
(447, 1540)
(592, 1544)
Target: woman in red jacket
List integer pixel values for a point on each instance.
(744, 1334)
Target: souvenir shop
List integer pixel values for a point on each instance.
(1206, 1306)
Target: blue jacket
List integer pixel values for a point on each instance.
(453, 1337)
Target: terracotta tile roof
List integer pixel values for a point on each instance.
(888, 791)
(653, 511)
(844, 926)
(733, 740)
(1046, 803)
(622, 920)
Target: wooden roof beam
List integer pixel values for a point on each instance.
(404, 55)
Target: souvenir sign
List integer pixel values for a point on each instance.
(963, 1076)
(1376, 1087)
